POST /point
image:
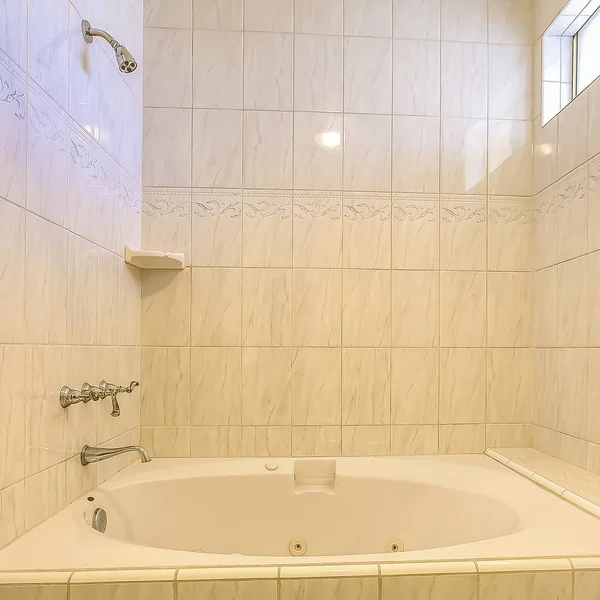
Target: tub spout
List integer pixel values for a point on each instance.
(90, 454)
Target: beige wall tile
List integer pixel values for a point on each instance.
(317, 441)
(216, 380)
(417, 20)
(508, 435)
(572, 217)
(266, 307)
(572, 302)
(365, 441)
(366, 308)
(510, 161)
(317, 308)
(267, 154)
(316, 386)
(462, 385)
(417, 77)
(415, 232)
(318, 66)
(165, 389)
(434, 587)
(166, 442)
(367, 153)
(46, 281)
(216, 307)
(545, 154)
(464, 20)
(266, 386)
(511, 81)
(267, 225)
(530, 586)
(572, 135)
(510, 230)
(12, 413)
(593, 396)
(462, 302)
(545, 233)
(269, 15)
(216, 228)
(464, 80)
(366, 386)
(122, 591)
(12, 520)
(216, 442)
(593, 301)
(364, 18)
(410, 440)
(166, 308)
(167, 67)
(366, 231)
(167, 147)
(12, 272)
(416, 154)
(268, 70)
(33, 592)
(266, 441)
(316, 167)
(217, 148)
(571, 391)
(546, 392)
(462, 439)
(349, 588)
(317, 229)
(509, 310)
(318, 16)
(509, 385)
(220, 590)
(463, 233)
(593, 194)
(586, 584)
(415, 308)
(414, 386)
(510, 22)
(464, 156)
(217, 67)
(367, 71)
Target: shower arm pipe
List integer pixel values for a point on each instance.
(93, 32)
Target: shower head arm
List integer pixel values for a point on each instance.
(89, 33)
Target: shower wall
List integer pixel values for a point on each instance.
(368, 298)
(70, 198)
(566, 276)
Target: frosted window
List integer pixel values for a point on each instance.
(588, 52)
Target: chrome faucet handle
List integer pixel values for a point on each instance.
(119, 389)
(129, 389)
(68, 396)
(94, 393)
(110, 389)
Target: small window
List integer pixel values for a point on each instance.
(587, 44)
(570, 55)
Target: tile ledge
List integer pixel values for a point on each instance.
(516, 458)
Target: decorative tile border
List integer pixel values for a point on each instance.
(543, 481)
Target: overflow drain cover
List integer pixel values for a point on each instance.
(297, 547)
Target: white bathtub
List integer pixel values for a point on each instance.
(188, 512)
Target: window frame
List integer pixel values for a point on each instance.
(576, 59)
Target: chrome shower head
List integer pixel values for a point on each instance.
(125, 60)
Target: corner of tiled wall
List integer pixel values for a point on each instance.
(70, 199)
(566, 271)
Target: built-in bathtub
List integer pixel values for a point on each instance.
(231, 512)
